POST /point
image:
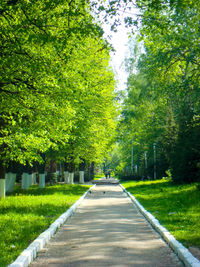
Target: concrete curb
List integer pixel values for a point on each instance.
(183, 253)
(30, 253)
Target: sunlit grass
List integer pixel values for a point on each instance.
(24, 214)
(177, 207)
(98, 176)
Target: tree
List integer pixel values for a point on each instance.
(162, 103)
(50, 53)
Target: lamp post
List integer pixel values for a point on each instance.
(132, 157)
(154, 153)
(136, 168)
(145, 157)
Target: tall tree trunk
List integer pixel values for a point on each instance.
(81, 172)
(92, 171)
(26, 177)
(34, 174)
(11, 173)
(61, 171)
(66, 172)
(71, 172)
(53, 173)
(41, 170)
(2, 180)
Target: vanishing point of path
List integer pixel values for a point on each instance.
(106, 230)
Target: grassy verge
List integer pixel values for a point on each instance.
(177, 207)
(24, 214)
(98, 176)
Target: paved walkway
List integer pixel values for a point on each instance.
(106, 230)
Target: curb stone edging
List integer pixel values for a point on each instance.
(30, 253)
(183, 253)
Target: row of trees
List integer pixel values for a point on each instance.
(160, 121)
(56, 87)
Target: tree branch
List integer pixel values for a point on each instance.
(7, 91)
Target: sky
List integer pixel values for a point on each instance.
(119, 41)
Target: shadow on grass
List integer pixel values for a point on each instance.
(51, 190)
(167, 196)
(153, 187)
(24, 214)
(46, 202)
(45, 210)
(177, 207)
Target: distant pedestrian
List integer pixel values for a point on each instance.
(106, 174)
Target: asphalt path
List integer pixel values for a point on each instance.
(106, 230)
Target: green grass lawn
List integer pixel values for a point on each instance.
(25, 214)
(177, 207)
(98, 176)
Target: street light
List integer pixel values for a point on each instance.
(136, 168)
(154, 153)
(145, 157)
(132, 157)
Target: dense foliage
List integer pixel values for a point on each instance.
(56, 86)
(162, 102)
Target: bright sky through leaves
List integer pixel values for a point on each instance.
(119, 41)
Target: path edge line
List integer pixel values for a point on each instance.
(30, 253)
(183, 253)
